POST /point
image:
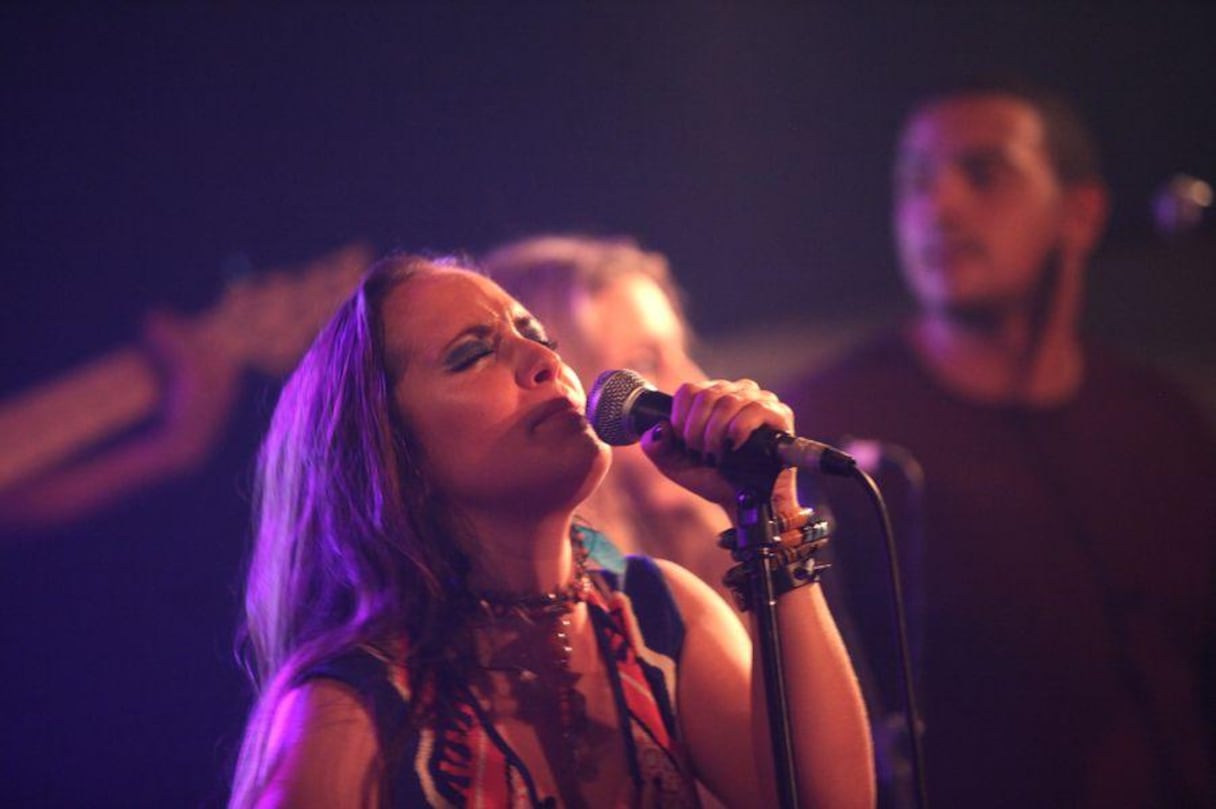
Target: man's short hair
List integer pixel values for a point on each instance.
(1071, 146)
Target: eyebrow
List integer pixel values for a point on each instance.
(986, 151)
(476, 330)
(527, 320)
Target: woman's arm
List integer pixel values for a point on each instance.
(722, 704)
(724, 715)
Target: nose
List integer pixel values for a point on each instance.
(538, 364)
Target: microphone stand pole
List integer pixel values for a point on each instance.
(755, 549)
(754, 474)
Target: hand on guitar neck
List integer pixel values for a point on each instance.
(178, 388)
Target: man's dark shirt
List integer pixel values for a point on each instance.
(1065, 558)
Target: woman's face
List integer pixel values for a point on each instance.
(499, 415)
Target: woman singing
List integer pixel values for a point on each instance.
(431, 625)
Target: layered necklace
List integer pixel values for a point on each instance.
(552, 611)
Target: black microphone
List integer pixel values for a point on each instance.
(622, 405)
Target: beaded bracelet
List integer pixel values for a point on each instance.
(792, 562)
(792, 533)
(785, 523)
(786, 576)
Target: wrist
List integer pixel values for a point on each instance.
(788, 561)
(784, 498)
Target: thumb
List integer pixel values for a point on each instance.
(660, 443)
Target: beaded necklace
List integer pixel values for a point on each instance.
(552, 609)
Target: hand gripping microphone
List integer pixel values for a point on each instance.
(622, 405)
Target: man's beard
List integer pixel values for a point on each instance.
(977, 316)
(988, 316)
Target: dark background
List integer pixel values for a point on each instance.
(145, 151)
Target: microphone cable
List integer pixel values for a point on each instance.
(899, 616)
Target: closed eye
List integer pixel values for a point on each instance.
(530, 328)
(466, 353)
(483, 343)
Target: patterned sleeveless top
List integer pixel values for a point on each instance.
(459, 759)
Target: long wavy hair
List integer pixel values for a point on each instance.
(354, 547)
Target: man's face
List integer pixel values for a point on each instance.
(978, 205)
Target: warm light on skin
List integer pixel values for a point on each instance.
(476, 376)
(978, 205)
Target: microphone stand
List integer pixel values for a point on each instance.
(754, 479)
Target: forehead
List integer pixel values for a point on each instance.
(431, 308)
(965, 124)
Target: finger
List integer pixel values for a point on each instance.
(696, 403)
(658, 441)
(736, 396)
(664, 448)
(682, 402)
(762, 411)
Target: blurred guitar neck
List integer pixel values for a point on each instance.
(264, 322)
(49, 424)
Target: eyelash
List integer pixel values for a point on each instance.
(484, 348)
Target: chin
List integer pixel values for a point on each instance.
(956, 303)
(598, 471)
(973, 313)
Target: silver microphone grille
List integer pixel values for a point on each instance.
(609, 402)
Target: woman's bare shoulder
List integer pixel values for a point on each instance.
(699, 603)
(322, 747)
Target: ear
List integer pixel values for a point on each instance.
(1086, 208)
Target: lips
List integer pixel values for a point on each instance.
(557, 407)
(941, 254)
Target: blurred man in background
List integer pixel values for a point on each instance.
(1069, 523)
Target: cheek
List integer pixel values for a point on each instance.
(1027, 218)
(449, 428)
(572, 382)
(1024, 240)
(907, 228)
